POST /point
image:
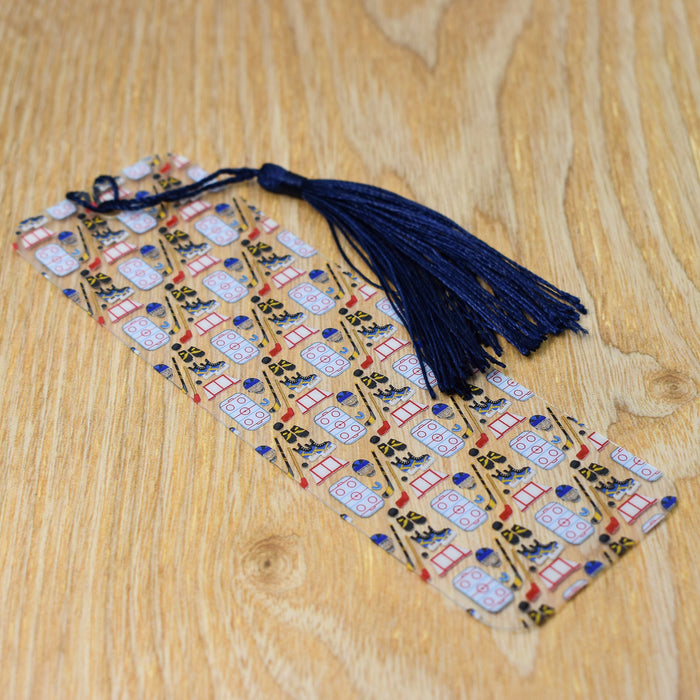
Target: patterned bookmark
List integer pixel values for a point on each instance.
(506, 504)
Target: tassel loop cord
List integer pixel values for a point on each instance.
(454, 294)
(145, 202)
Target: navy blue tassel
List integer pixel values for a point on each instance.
(453, 292)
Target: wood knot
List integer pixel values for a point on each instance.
(275, 564)
(670, 386)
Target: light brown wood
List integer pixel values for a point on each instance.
(145, 552)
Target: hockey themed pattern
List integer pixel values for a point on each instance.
(506, 504)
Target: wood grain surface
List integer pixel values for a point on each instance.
(145, 552)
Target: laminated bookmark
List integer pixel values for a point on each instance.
(505, 503)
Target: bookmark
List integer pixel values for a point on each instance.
(506, 504)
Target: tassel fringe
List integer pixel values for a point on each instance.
(454, 294)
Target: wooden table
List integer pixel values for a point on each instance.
(139, 561)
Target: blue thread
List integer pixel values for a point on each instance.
(453, 292)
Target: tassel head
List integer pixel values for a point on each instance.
(277, 180)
